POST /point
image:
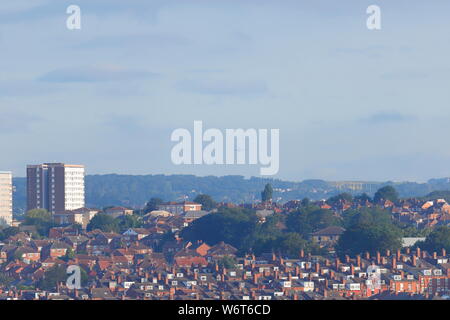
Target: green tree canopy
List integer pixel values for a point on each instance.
(340, 197)
(206, 201)
(386, 193)
(103, 222)
(70, 254)
(52, 277)
(368, 229)
(291, 244)
(128, 221)
(58, 274)
(362, 198)
(227, 262)
(234, 226)
(41, 219)
(437, 240)
(152, 205)
(305, 202)
(310, 219)
(5, 280)
(267, 194)
(8, 232)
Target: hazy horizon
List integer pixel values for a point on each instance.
(250, 177)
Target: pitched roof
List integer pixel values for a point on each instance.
(222, 248)
(329, 231)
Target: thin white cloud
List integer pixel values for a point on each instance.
(388, 117)
(95, 74)
(224, 87)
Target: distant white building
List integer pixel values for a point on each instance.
(6, 190)
(179, 208)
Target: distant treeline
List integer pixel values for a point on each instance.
(135, 190)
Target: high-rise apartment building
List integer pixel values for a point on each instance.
(6, 190)
(55, 186)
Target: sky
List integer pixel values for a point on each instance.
(350, 103)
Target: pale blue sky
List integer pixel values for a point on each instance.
(351, 104)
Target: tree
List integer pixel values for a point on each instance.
(347, 197)
(58, 274)
(52, 277)
(368, 229)
(291, 244)
(267, 194)
(152, 205)
(228, 262)
(126, 222)
(372, 238)
(103, 222)
(363, 198)
(235, 226)
(437, 240)
(386, 193)
(69, 255)
(310, 219)
(41, 219)
(305, 202)
(206, 201)
(365, 215)
(5, 280)
(8, 232)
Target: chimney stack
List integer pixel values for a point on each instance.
(444, 252)
(297, 270)
(358, 261)
(378, 258)
(255, 278)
